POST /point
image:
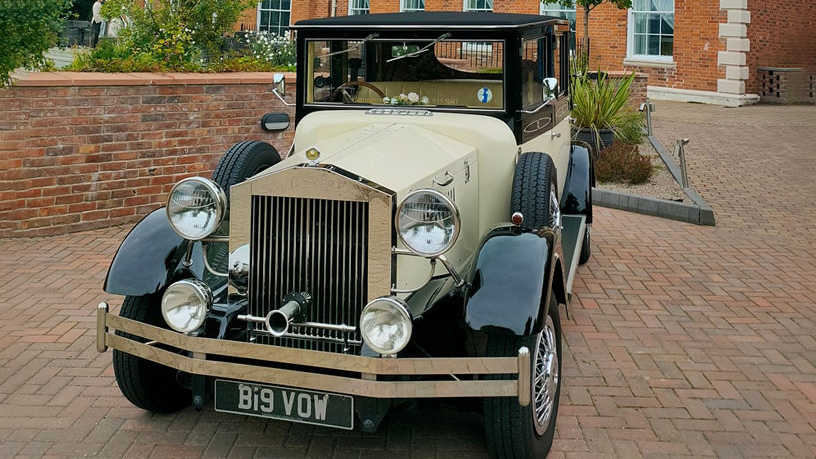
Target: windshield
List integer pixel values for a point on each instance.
(429, 73)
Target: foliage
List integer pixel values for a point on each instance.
(278, 50)
(631, 127)
(622, 163)
(114, 56)
(242, 64)
(600, 103)
(185, 35)
(579, 64)
(28, 28)
(176, 34)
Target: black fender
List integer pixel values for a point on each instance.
(511, 282)
(577, 195)
(150, 258)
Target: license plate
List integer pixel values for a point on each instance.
(309, 407)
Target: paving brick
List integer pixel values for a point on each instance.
(682, 341)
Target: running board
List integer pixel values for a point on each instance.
(572, 239)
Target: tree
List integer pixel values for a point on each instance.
(28, 28)
(590, 5)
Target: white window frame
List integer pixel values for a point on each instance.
(545, 8)
(466, 6)
(554, 6)
(630, 37)
(281, 28)
(404, 8)
(354, 7)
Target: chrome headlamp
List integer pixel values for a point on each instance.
(428, 222)
(185, 304)
(386, 325)
(196, 207)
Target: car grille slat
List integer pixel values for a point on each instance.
(318, 246)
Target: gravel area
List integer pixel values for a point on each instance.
(661, 185)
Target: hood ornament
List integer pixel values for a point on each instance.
(312, 154)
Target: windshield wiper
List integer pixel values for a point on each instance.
(421, 50)
(343, 51)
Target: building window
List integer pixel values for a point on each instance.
(358, 7)
(273, 16)
(478, 5)
(412, 5)
(560, 11)
(651, 29)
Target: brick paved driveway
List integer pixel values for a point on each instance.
(683, 341)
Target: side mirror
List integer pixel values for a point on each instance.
(550, 87)
(280, 88)
(280, 81)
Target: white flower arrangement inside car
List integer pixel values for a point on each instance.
(411, 98)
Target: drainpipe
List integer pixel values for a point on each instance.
(333, 11)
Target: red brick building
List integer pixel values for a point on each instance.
(729, 52)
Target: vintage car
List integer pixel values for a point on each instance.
(416, 242)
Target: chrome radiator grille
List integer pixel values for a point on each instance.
(318, 246)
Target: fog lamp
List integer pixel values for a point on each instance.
(185, 303)
(386, 325)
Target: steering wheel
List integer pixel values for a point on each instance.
(341, 89)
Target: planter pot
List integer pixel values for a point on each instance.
(606, 138)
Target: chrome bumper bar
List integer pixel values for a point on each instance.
(436, 382)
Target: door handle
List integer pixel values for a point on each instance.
(445, 181)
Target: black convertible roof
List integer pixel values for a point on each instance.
(449, 19)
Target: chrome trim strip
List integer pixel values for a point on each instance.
(101, 326)
(225, 239)
(524, 384)
(316, 381)
(304, 357)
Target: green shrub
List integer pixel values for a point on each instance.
(622, 163)
(28, 28)
(600, 103)
(115, 56)
(242, 64)
(278, 50)
(630, 127)
(169, 35)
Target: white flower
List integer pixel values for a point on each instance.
(425, 100)
(394, 101)
(413, 97)
(386, 100)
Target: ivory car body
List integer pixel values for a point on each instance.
(416, 243)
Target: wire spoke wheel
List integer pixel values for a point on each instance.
(546, 377)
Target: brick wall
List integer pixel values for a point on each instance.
(781, 36)
(696, 44)
(82, 151)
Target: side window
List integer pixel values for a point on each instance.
(534, 69)
(560, 68)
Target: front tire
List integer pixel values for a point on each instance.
(243, 160)
(147, 384)
(515, 431)
(240, 162)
